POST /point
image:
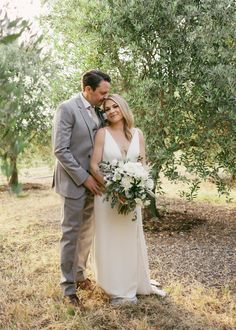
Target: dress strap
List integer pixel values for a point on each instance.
(135, 138)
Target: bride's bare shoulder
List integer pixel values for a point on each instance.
(100, 134)
(101, 131)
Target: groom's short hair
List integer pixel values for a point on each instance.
(93, 78)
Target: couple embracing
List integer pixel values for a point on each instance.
(81, 140)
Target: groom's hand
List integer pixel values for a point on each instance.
(91, 184)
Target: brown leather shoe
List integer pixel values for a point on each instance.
(74, 300)
(85, 285)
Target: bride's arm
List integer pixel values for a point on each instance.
(142, 147)
(97, 156)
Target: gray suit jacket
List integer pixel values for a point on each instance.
(73, 140)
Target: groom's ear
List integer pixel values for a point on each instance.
(88, 89)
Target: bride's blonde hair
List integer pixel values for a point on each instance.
(126, 112)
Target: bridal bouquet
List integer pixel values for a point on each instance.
(128, 184)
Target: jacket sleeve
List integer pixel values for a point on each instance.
(62, 131)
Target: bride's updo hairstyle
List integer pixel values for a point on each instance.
(126, 112)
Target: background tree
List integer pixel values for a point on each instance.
(10, 30)
(175, 62)
(24, 96)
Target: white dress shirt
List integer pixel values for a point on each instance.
(90, 109)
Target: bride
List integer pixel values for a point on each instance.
(120, 254)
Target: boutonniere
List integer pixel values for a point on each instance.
(101, 113)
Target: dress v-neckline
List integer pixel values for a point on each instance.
(118, 144)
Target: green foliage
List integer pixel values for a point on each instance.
(25, 112)
(175, 63)
(10, 30)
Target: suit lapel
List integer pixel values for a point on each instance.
(86, 118)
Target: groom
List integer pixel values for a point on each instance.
(75, 124)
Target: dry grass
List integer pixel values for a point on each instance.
(31, 298)
(207, 192)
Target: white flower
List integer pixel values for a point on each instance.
(146, 203)
(114, 162)
(108, 182)
(121, 177)
(138, 201)
(149, 184)
(117, 176)
(126, 182)
(136, 170)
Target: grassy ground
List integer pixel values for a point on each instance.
(30, 296)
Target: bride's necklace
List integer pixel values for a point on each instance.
(123, 150)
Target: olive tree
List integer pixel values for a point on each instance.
(175, 63)
(24, 97)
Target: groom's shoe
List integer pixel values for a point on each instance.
(85, 285)
(74, 300)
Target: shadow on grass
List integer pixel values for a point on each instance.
(173, 222)
(24, 187)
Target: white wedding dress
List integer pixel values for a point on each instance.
(119, 253)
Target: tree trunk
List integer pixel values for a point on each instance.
(13, 181)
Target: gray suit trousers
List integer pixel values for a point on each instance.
(77, 235)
